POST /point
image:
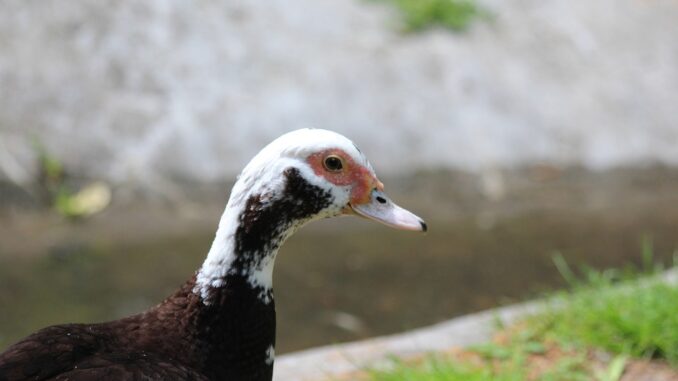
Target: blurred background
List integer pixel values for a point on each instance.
(518, 129)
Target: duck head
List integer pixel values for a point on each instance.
(328, 173)
(302, 176)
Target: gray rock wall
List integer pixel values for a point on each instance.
(144, 91)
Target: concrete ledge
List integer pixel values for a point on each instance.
(323, 362)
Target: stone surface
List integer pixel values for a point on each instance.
(325, 362)
(150, 91)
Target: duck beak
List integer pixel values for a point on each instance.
(380, 208)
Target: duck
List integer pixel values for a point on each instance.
(221, 324)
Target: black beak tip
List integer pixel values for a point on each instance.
(424, 228)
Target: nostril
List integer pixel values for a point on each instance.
(381, 200)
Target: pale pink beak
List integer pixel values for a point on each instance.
(380, 208)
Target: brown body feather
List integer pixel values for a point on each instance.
(180, 339)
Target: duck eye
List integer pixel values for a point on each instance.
(333, 163)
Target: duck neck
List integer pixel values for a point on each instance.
(243, 252)
(228, 307)
(256, 222)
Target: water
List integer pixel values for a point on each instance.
(339, 280)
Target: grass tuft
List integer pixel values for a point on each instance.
(438, 369)
(638, 319)
(455, 15)
(627, 313)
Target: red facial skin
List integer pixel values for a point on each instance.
(352, 173)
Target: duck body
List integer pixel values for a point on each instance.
(180, 339)
(220, 325)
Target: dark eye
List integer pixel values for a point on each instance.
(333, 163)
